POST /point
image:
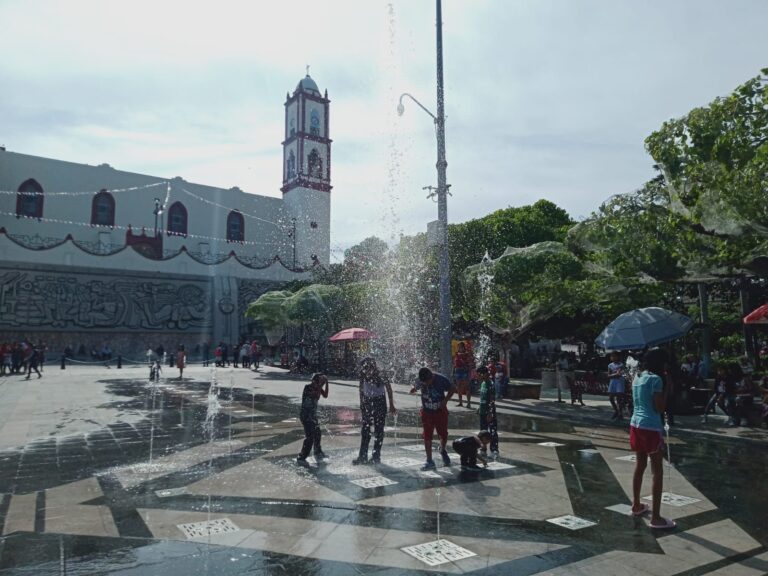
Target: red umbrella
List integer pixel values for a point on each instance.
(759, 316)
(352, 334)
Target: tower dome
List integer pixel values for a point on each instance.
(308, 85)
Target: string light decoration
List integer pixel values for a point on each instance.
(90, 193)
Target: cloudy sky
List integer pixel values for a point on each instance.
(544, 98)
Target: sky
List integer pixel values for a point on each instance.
(543, 98)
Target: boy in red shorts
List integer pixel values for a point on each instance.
(436, 390)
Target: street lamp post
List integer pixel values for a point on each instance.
(292, 234)
(442, 201)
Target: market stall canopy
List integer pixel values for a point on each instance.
(759, 316)
(349, 334)
(643, 328)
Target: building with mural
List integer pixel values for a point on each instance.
(92, 255)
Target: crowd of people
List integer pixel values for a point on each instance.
(244, 354)
(22, 357)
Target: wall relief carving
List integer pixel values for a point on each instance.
(37, 300)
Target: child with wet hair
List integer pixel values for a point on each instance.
(467, 449)
(316, 388)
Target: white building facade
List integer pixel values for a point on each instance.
(92, 255)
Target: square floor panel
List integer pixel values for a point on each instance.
(674, 499)
(429, 474)
(550, 444)
(499, 466)
(418, 447)
(438, 552)
(402, 462)
(207, 528)
(624, 509)
(572, 522)
(373, 482)
(633, 458)
(589, 451)
(167, 493)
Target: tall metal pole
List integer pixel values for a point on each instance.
(293, 234)
(705, 331)
(442, 208)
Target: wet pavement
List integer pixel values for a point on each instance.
(103, 472)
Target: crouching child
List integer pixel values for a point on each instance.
(467, 449)
(317, 387)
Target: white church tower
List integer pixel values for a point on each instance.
(307, 172)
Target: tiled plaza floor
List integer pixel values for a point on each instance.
(108, 474)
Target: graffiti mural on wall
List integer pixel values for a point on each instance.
(75, 302)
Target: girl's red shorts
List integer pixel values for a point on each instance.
(646, 441)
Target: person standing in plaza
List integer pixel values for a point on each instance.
(649, 395)
(374, 391)
(462, 365)
(487, 409)
(436, 390)
(181, 359)
(310, 397)
(32, 359)
(616, 386)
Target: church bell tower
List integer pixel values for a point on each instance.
(307, 171)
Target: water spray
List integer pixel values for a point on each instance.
(437, 493)
(669, 453)
(576, 472)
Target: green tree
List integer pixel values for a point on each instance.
(715, 162)
(520, 226)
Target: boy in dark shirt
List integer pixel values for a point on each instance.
(308, 416)
(467, 448)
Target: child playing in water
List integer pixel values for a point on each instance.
(487, 409)
(467, 448)
(317, 387)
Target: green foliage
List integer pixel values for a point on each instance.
(517, 227)
(363, 262)
(715, 161)
(545, 285)
(269, 309)
(316, 305)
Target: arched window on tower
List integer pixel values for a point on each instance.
(103, 209)
(177, 220)
(235, 227)
(291, 168)
(314, 123)
(29, 200)
(315, 164)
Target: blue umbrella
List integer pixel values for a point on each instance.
(643, 328)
